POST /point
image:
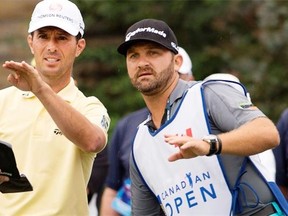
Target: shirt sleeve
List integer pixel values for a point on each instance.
(94, 110)
(144, 201)
(228, 108)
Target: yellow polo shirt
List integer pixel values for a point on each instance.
(57, 169)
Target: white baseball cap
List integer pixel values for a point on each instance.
(223, 76)
(58, 13)
(228, 77)
(186, 67)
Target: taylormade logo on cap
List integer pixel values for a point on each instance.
(58, 13)
(148, 29)
(153, 30)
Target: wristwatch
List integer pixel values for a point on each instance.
(215, 144)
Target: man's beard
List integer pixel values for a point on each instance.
(157, 84)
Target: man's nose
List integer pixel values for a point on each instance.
(52, 46)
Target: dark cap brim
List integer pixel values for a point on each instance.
(122, 49)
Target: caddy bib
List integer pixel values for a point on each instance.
(183, 187)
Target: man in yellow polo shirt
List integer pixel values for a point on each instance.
(55, 131)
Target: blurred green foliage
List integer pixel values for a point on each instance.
(247, 36)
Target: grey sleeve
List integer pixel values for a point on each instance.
(143, 200)
(228, 108)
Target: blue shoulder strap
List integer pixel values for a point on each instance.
(237, 190)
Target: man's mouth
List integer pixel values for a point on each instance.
(51, 60)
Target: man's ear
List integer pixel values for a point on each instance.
(30, 40)
(178, 61)
(81, 44)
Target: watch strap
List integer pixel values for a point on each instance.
(215, 144)
(213, 147)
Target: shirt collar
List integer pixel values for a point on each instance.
(178, 91)
(176, 95)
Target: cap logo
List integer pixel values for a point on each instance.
(147, 29)
(174, 45)
(55, 7)
(56, 15)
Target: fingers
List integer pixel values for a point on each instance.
(11, 65)
(175, 157)
(176, 140)
(13, 78)
(3, 179)
(16, 66)
(22, 75)
(188, 147)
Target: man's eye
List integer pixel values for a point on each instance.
(151, 53)
(132, 56)
(42, 36)
(62, 38)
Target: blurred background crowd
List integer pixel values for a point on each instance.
(249, 37)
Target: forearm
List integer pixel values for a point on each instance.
(106, 202)
(251, 138)
(75, 126)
